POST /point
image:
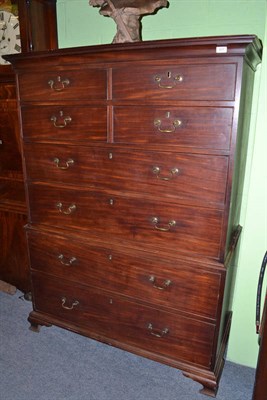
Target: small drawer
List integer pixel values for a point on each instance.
(179, 285)
(112, 317)
(85, 84)
(150, 223)
(62, 123)
(175, 82)
(192, 127)
(190, 179)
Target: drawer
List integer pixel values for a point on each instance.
(192, 127)
(62, 123)
(175, 82)
(85, 84)
(165, 174)
(171, 226)
(177, 284)
(100, 313)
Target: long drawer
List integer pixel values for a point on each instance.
(191, 179)
(167, 334)
(54, 85)
(181, 285)
(64, 123)
(175, 82)
(192, 127)
(155, 223)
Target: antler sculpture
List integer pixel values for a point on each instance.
(127, 15)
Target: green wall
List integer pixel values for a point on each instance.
(80, 24)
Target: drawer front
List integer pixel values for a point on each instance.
(99, 312)
(82, 84)
(178, 285)
(168, 175)
(175, 82)
(64, 123)
(175, 227)
(207, 128)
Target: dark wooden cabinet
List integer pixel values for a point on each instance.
(134, 160)
(38, 31)
(14, 267)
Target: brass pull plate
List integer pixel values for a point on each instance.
(68, 163)
(163, 228)
(173, 172)
(68, 211)
(168, 81)
(58, 84)
(66, 262)
(165, 284)
(73, 304)
(156, 332)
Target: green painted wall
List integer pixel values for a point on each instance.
(80, 24)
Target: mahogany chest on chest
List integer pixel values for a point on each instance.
(134, 159)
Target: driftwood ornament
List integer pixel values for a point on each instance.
(127, 15)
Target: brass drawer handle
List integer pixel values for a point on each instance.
(1, 141)
(171, 81)
(74, 304)
(67, 263)
(157, 171)
(175, 124)
(164, 228)
(156, 332)
(68, 163)
(69, 210)
(58, 85)
(60, 121)
(165, 284)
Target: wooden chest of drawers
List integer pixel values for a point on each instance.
(134, 160)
